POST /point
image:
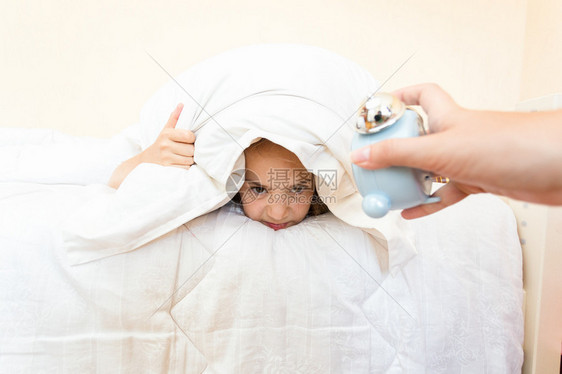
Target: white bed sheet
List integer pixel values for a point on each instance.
(223, 294)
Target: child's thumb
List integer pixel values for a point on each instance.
(173, 120)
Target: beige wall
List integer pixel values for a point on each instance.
(81, 66)
(542, 67)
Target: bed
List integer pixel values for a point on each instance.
(154, 278)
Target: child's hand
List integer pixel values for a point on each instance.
(173, 147)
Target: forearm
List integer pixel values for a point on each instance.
(523, 153)
(551, 120)
(121, 172)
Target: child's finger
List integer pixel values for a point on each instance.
(173, 120)
(182, 136)
(182, 161)
(182, 149)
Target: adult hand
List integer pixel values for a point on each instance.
(518, 155)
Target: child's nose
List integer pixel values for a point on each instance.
(278, 211)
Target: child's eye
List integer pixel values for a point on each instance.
(297, 189)
(258, 190)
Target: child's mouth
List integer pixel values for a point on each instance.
(276, 226)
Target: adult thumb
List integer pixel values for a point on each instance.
(415, 152)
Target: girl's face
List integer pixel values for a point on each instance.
(278, 189)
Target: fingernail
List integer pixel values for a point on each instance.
(361, 155)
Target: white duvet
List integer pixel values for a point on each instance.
(97, 280)
(224, 294)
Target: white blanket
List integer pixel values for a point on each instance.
(224, 294)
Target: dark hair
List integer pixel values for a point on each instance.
(317, 206)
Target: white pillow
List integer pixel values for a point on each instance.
(303, 98)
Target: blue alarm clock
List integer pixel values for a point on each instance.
(383, 117)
